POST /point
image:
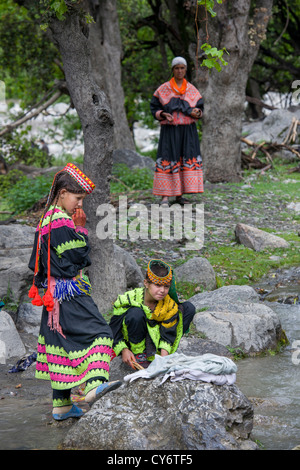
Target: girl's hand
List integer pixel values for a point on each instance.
(163, 353)
(79, 218)
(128, 357)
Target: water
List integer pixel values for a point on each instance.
(274, 383)
(27, 426)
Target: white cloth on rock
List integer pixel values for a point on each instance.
(219, 370)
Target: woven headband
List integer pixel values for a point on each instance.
(84, 182)
(161, 281)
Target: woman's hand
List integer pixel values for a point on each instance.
(166, 116)
(128, 357)
(79, 218)
(196, 113)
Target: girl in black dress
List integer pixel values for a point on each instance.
(75, 342)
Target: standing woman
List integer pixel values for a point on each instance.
(177, 104)
(75, 342)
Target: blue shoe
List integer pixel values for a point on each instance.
(74, 412)
(104, 388)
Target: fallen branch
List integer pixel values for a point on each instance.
(9, 127)
(267, 146)
(258, 102)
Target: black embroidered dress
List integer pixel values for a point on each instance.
(75, 342)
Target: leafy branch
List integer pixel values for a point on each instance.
(214, 56)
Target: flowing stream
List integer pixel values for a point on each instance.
(271, 382)
(273, 385)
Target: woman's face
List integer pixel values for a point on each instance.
(155, 291)
(179, 71)
(70, 201)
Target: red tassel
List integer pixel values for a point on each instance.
(37, 300)
(48, 301)
(33, 291)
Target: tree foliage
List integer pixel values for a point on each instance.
(28, 59)
(278, 61)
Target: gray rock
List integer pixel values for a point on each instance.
(186, 415)
(132, 159)
(15, 278)
(233, 317)
(10, 342)
(16, 240)
(258, 240)
(273, 128)
(134, 275)
(197, 271)
(29, 318)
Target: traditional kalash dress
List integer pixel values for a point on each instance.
(75, 342)
(179, 164)
(145, 332)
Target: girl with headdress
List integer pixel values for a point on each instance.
(150, 320)
(75, 342)
(177, 105)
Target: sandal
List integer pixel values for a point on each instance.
(103, 389)
(182, 200)
(74, 412)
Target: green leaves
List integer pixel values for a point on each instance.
(209, 5)
(59, 7)
(214, 57)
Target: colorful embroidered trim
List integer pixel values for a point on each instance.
(161, 281)
(68, 370)
(70, 245)
(83, 181)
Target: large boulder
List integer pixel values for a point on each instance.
(132, 159)
(257, 239)
(11, 344)
(274, 128)
(16, 241)
(197, 271)
(148, 415)
(133, 273)
(234, 317)
(15, 278)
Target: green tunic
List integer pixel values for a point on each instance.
(163, 337)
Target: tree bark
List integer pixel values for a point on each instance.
(106, 50)
(240, 32)
(107, 276)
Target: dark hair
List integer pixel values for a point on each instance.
(62, 180)
(158, 270)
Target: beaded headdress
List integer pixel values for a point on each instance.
(83, 181)
(169, 278)
(154, 278)
(87, 185)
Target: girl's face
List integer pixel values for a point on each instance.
(156, 292)
(70, 201)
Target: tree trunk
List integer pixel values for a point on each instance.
(241, 33)
(105, 55)
(107, 276)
